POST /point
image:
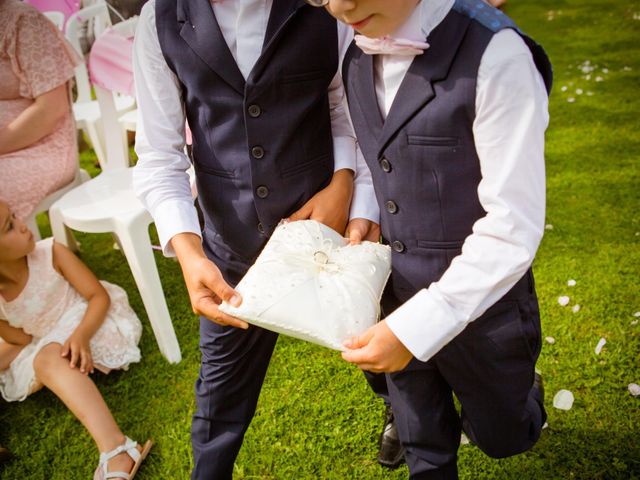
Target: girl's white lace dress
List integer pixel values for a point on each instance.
(49, 309)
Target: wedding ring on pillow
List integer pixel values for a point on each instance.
(309, 283)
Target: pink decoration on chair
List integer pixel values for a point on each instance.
(67, 7)
(110, 63)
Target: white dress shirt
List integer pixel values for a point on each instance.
(511, 118)
(160, 179)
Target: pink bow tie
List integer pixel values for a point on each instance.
(390, 45)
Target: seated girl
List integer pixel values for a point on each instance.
(57, 324)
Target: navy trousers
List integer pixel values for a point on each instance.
(234, 363)
(490, 368)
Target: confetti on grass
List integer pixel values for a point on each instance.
(634, 389)
(548, 226)
(637, 314)
(601, 343)
(550, 340)
(563, 301)
(563, 400)
(571, 283)
(575, 308)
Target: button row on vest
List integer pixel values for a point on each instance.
(262, 191)
(398, 246)
(254, 111)
(257, 152)
(391, 206)
(385, 165)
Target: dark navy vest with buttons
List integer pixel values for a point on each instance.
(261, 147)
(422, 157)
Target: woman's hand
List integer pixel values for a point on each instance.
(77, 349)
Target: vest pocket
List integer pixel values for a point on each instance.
(216, 172)
(304, 167)
(303, 76)
(440, 245)
(427, 141)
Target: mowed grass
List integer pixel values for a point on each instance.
(317, 417)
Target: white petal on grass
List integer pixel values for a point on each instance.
(546, 425)
(564, 88)
(627, 69)
(563, 400)
(601, 343)
(571, 99)
(578, 91)
(571, 283)
(589, 94)
(599, 79)
(464, 440)
(550, 340)
(563, 301)
(575, 308)
(587, 77)
(634, 322)
(605, 70)
(634, 389)
(548, 226)
(637, 314)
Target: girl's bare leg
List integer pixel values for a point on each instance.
(82, 397)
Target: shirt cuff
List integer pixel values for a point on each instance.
(364, 204)
(173, 217)
(424, 324)
(344, 153)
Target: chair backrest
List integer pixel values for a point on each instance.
(57, 18)
(98, 16)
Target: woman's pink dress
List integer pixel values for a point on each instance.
(35, 58)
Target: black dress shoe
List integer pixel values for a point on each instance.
(5, 454)
(391, 454)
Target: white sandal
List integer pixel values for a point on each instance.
(129, 446)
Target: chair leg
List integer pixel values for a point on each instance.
(136, 245)
(93, 131)
(59, 230)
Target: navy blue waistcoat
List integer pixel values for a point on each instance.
(422, 157)
(261, 147)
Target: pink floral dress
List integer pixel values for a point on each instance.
(35, 58)
(50, 309)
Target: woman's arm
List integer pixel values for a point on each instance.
(38, 120)
(87, 285)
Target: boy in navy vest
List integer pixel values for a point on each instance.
(449, 104)
(258, 82)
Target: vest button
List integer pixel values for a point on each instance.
(385, 165)
(261, 228)
(262, 191)
(398, 246)
(391, 206)
(254, 111)
(257, 152)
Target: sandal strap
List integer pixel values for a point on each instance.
(116, 475)
(129, 446)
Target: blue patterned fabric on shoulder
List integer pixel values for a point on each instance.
(485, 14)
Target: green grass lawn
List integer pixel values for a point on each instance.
(317, 417)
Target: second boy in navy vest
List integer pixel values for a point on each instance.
(449, 104)
(258, 82)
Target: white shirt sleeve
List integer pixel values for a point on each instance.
(344, 140)
(511, 118)
(159, 178)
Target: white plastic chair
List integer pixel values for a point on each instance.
(86, 110)
(107, 203)
(45, 204)
(57, 18)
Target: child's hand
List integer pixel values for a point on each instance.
(77, 349)
(331, 204)
(360, 229)
(377, 350)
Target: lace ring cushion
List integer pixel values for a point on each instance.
(310, 284)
